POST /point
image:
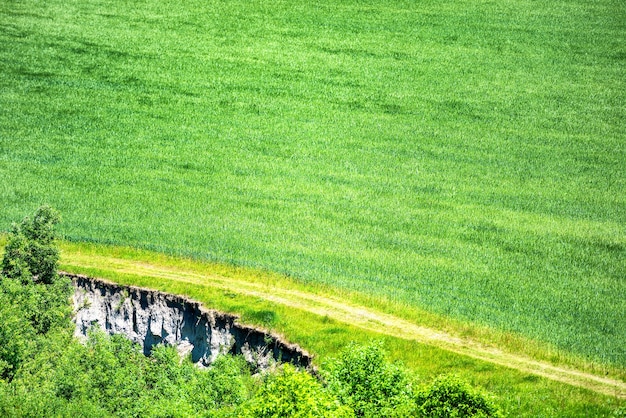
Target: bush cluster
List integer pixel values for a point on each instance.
(450, 397)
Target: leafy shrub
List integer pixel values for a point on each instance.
(15, 261)
(296, 394)
(224, 385)
(450, 397)
(31, 253)
(15, 337)
(619, 412)
(364, 380)
(42, 306)
(33, 299)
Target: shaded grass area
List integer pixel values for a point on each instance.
(519, 394)
(460, 157)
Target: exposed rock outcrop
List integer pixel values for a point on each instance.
(150, 317)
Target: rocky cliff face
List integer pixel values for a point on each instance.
(150, 317)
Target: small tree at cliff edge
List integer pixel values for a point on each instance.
(31, 253)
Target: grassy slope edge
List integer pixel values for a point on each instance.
(521, 393)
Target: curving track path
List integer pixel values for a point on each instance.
(359, 316)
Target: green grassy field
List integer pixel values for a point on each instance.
(459, 156)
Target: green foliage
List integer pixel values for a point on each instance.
(292, 393)
(33, 299)
(46, 305)
(619, 412)
(364, 380)
(450, 397)
(224, 386)
(31, 253)
(16, 336)
(15, 260)
(110, 376)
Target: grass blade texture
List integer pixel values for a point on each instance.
(467, 157)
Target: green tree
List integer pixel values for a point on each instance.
(223, 386)
(33, 299)
(31, 253)
(14, 262)
(450, 397)
(364, 380)
(295, 394)
(16, 336)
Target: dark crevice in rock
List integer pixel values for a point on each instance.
(150, 317)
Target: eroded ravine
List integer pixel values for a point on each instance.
(359, 316)
(149, 317)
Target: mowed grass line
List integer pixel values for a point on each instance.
(339, 310)
(460, 157)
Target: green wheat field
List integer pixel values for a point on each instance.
(463, 157)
